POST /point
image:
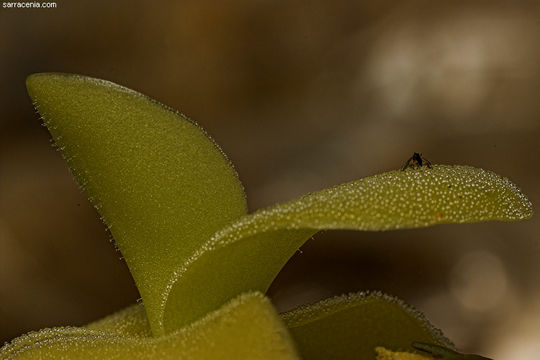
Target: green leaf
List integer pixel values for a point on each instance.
(344, 327)
(161, 185)
(385, 354)
(170, 197)
(352, 326)
(249, 253)
(130, 321)
(246, 328)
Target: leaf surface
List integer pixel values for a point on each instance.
(246, 328)
(352, 326)
(249, 253)
(161, 185)
(385, 354)
(177, 210)
(130, 321)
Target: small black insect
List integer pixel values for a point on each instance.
(416, 161)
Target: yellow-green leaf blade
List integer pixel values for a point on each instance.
(385, 354)
(246, 328)
(131, 321)
(248, 254)
(159, 182)
(352, 326)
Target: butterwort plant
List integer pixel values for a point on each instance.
(202, 263)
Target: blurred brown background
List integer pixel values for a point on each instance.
(301, 95)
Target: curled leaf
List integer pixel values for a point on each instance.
(246, 328)
(249, 253)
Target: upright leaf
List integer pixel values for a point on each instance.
(161, 185)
